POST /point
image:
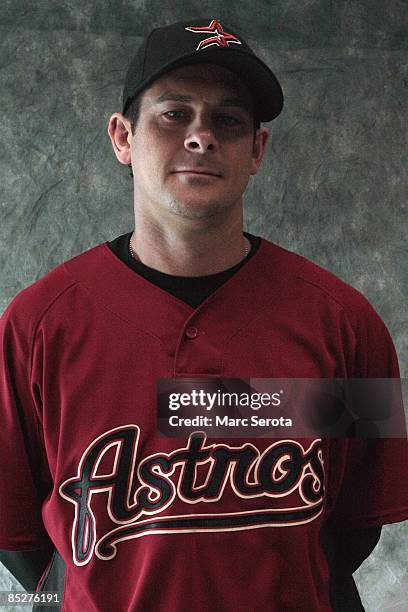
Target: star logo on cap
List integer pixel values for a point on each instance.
(218, 36)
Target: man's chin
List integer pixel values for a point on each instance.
(195, 209)
(197, 206)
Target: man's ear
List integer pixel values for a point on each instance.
(260, 140)
(120, 133)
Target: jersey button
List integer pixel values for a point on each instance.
(191, 332)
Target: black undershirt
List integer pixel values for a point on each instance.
(191, 289)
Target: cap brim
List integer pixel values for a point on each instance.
(258, 77)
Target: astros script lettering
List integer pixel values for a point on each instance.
(139, 489)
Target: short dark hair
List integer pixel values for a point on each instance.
(133, 111)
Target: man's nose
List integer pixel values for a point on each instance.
(201, 138)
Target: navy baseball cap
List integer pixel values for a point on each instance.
(203, 41)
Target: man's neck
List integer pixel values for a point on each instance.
(198, 251)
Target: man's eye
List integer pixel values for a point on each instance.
(175, 114)
(228, 120)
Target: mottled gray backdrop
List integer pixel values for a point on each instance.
(331, 187)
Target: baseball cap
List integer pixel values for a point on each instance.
(203, 41)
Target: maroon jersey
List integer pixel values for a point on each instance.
(144, 522)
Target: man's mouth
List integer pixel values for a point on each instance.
(204, 172)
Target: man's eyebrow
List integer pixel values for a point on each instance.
(169, 96)
(172, 97)
(235, 102)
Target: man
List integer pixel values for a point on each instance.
(139, 521)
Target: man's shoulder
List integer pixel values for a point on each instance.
(31, 303)
(307, 279)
